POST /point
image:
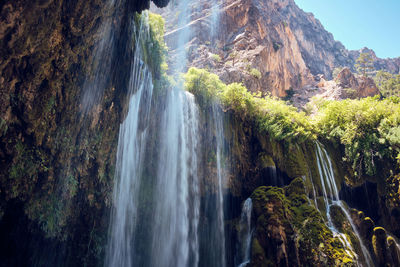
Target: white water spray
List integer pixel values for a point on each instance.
(130, 155)
(245, 233)
(331, 197)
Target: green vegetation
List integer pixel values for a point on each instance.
(288, 211)
(368, 128)
(255, 73)
(388, 84)
(216, 57)
(364, 64)
(352, 93)
(154, 47)
(272, 116)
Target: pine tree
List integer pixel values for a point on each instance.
(364, 64)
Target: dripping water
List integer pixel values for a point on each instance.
(219, 132)
(245, 234)
(100, 72)
(172, 243)
(331, 197)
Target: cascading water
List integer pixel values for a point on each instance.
(215, 13)
(175, 214)
(129, 167)
(219, 134)
(101, 61)
(176, 184)
(156, 197)
(245, 233)
(331, 197)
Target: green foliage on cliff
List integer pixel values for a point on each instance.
(388, 84)
(154, 47)
(368, 128)
(272, 115)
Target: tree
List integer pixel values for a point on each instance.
(364, 64)
(233, 56)
(388, 84)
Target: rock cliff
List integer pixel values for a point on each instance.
(56, 161)
(270, 46)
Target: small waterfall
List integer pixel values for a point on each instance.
(215, 14)
(219, 132)
(132, 140)
(245, 233)
(331, 197)
(98, 79)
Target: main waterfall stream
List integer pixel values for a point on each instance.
(156, 197)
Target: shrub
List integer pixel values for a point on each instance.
(216, 57)
(271, 115)
(255, 73)
(368, 128)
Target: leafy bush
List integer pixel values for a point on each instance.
(216, 57)
(368, 128)
(255, 73)
(272, 116)
(204, 85)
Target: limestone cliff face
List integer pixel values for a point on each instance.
(56, 162)
(270, 46)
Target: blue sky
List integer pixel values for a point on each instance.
(360, 23)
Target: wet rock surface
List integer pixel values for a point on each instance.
(57, 163)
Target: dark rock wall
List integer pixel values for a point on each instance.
(57, 163)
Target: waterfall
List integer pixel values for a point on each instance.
(219, 133)
(215, 13)
(131, 151)
(331, 197)
(101, 63)
(155, 219)
(177, 168)
(245, 233)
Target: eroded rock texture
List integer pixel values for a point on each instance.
(56, 160)
(270, 46)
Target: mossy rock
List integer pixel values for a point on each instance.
(338, 217)
(367, 228)
(379, 245)
(266, 161)
(291, 231)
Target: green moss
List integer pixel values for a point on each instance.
(265, 160)
(288, 209)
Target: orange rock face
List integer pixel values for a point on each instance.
(361, 86)
(270, 45)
